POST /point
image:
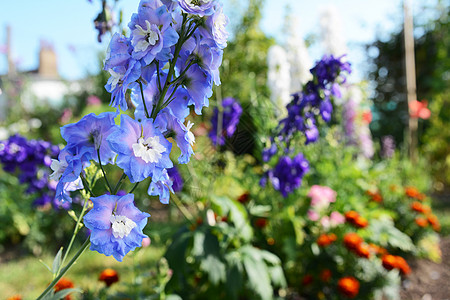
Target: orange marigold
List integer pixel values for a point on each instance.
(421, 222)
(363, 250)
(417, 206)
(63, 284)
(352, 240)
(377, 249)
(351, 216)
(412, 192)
(15, 297)
(433, 220)
(326, 239)
(325, 275)
(361, 222)
(348, 286)
(402, 265)
(307, 279)
(109, 276)
(389, 261)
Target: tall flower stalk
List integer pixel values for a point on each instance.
(169, 62)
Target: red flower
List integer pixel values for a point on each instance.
(244, 197)
(63, 284)
(348, 286)
(389, 262)
(412, 192)
(325, 275)
(419, 109)
(109, 276)
(433, 220)
(402, 265)
(307, 279)
(15, 297)
(367, 117)
(261, 222)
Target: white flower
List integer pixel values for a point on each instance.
(278, 78)
(298, 57)
(331, 31)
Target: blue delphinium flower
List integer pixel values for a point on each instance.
(151, 32)
(142, 150)
(198, 7)
(67, 170)
(288, 173)
(116, 225)
(232, 111)
(161, 187)
(214, 27)
(89, 136)
(124, 70)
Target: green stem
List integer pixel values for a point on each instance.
(86, 185)
(65, 269)
(103, 171)
(75, 232)
(143, 98)
(134, 187)
(119, 183)
(183, 209)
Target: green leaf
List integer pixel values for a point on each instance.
(259, 280)
(235, 275)
(42, 262)
(198, 244)
(214, 268)
(64, 293)
(57, 261)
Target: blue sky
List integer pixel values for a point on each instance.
(68, 25)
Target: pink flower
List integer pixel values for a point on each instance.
(325, 222)
(321, 196)
(419, 109)
(93, 101)
(313, 215)
(146, 242)
(336, 218)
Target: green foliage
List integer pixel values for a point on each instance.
(214, 257)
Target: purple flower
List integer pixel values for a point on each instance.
(176, 178)
(161, 188)
(198, 7)
(116, 225)
(151, 32)
(288, 173)
(142, 149)
(89, 135)
(387, 146)
(232, 111)
(198, 84)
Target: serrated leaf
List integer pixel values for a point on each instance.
(57, 261)
(277, 276)
(214, 268)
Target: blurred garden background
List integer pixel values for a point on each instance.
(362, 212)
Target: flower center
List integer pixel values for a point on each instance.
(14, 148)
(121, 226)
(150, 37)
(116, 78)
(95, 137)
(149, 150)
(198, 2)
